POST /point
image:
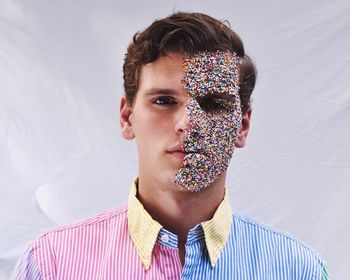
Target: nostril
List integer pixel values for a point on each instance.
(195, 135)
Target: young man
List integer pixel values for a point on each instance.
(187, 104)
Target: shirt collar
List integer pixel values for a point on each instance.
(144, 230)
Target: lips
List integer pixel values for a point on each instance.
(181, 151)
(178, 151)
(192, 148)
(180, 155)
(193, 151)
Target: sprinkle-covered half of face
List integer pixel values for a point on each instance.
(212, 81)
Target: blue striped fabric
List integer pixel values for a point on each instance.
(253, 251)
(27, 267)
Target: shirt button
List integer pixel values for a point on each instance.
(165, 238)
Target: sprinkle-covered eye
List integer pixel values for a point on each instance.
(214, 104)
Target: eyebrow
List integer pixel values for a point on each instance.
(161, 91)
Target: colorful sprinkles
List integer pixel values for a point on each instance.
(214, 123)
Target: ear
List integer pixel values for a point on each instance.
(242, 135)
(125, 117)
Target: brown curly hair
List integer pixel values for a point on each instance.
(185, 33)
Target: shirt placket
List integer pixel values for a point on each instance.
(194, 253)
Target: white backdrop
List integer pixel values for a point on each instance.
(61, 154)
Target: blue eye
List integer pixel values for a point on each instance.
(164, 100)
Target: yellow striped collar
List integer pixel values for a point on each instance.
(144, 230)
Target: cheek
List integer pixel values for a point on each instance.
(221, 134)
(149, 121)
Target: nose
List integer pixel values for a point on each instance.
(183, 122)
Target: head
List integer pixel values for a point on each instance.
(172, 54)
(186, 33)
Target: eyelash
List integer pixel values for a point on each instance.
(164, 101)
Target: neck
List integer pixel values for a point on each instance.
(180, 210)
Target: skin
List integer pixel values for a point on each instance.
(157, 121)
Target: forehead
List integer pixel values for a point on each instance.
(216, 72)
(199, 73)
(165, 71)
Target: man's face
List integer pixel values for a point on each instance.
(186, 118)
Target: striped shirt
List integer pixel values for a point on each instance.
(126, 243)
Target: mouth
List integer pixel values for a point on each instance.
(181, 151)
(192, 149)
(179, 154)
(178, 151)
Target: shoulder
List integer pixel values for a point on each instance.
(248, 223)
(92, 226)
(253, 228)
(281, 248)
(71, 245)
(245, 221)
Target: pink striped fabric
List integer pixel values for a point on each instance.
(100, 248)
